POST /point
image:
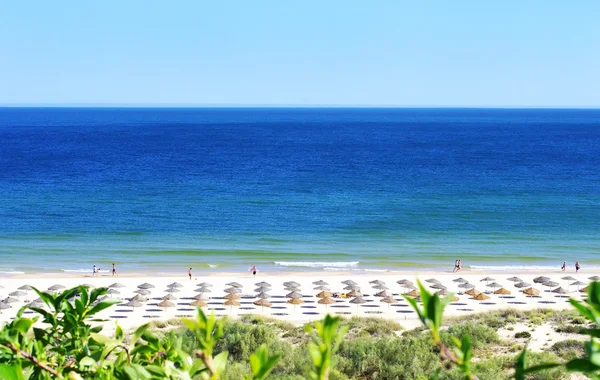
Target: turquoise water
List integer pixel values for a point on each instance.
(297, 189)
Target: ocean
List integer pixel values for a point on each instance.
(289, 189)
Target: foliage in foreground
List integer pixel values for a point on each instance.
(209, 348)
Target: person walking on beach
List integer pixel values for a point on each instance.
(114, 270)
(94, 271)
(564, 266)
(254, 270)
(456, 266)
(190, 273)
(577, 267)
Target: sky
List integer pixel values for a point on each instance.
(536, 53)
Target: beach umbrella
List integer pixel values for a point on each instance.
(494, 285)
(472, 292)
(112, 291)
(294, 295)
(10, 300)
(201, 296)
(262, 283)
(404, 282)
(321, 287)
(172, 290)
(349, 282)
(234, 284)
(56, 287)
(432, 281)
(383, 293)
(320, 283)
(202, 289)
(443, 292)
(466, 285)
(531, 292)
(261, 289)
(354, 293)
(481, 297)
(455, 298)
(411, 287)
(324, 294)
(438, 286)
(262, 303)
(143, 292)
(487, 279)
(389, 300)
(231, 304)
(514, 279)
(541, 280)
(412, 293)
(26, 288)
(116, 285)
(232, 296)
(583, 290)
(376, 282)
(502, 291)
(291, 284)
(295, 301)
(169, 297)
(146, 286)
(522, 284)
(594, 278)
(358, 301)
(578, 284)
(380, 287)
(133, 304)
(4, 306)
(18, 293)
(175, 285)
(460, 279)
(37, 303)
(289, 289)
(198, 303)
(263, 295)
(560, 290)
(569, 278)
(139, 298)
(352, 287)
(233, 290)
(550, 284)
(165, 304)
(204, 285)
(326, 301)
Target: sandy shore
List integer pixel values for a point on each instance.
(310, 310)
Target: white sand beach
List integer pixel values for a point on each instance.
(310, 309)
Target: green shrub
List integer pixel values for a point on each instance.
(523, 335)
(480, 335)
(568, 349)
(570, 329)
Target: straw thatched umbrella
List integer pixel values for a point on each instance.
(531, 292)
(380, 287)
(293, 295)
(384, 293)
(502, 291)
(232, 296)
(113, 291)
(261, 289)
(487, 279)
(262, 303)
(263, 295)
(438, 286)
(454, 299)
(172, 290)
(204, 285)
(460, 279)
(4, 306)
(577, 284)
(143, 292)
(472, 292)
(358, 301)
(349, 282)
(320, 282)
(139, 298)
(389, 300)
(291, 284)
(541, 280)
(583, 290)
(56, 287)
(326, 301)
(201, 296)
(352, 287)
(481, 297)
(466, 285)
(233, 290)
(234, 285)
(569, 278)
(324, 294)
(376, 282)
(432, 281)
(404, 282)
(146, 286)
(262, 283)
(354, 293)
(412, 293)
(202, 289)
(198, 303)
(295, 301)
(26, 288)
(442, 293)
(522, 284)
(169, 297)
(494, 285)
(175, 285)
(550, 284)
(594, 278)
(116, 285)
(231, 304)
(514, 279)
(165, 304)
(133, 304)
(18, 294)
(560, 290)
(321, 287)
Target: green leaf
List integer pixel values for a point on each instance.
(261, 363)
(101, 306)
(138, 333)
(103, 339)
(220, 362)
(583, 310)
(11, 372)
(119, 333)
(23, 325)
(520, 364)
(87, 362)
(581, 365)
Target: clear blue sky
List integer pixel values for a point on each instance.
(423, 53)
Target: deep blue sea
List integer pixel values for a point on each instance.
(296, 189)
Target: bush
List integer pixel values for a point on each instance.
(570, 329)
(568, 349)
(374, 327)
(523, 335)
(480, 335)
